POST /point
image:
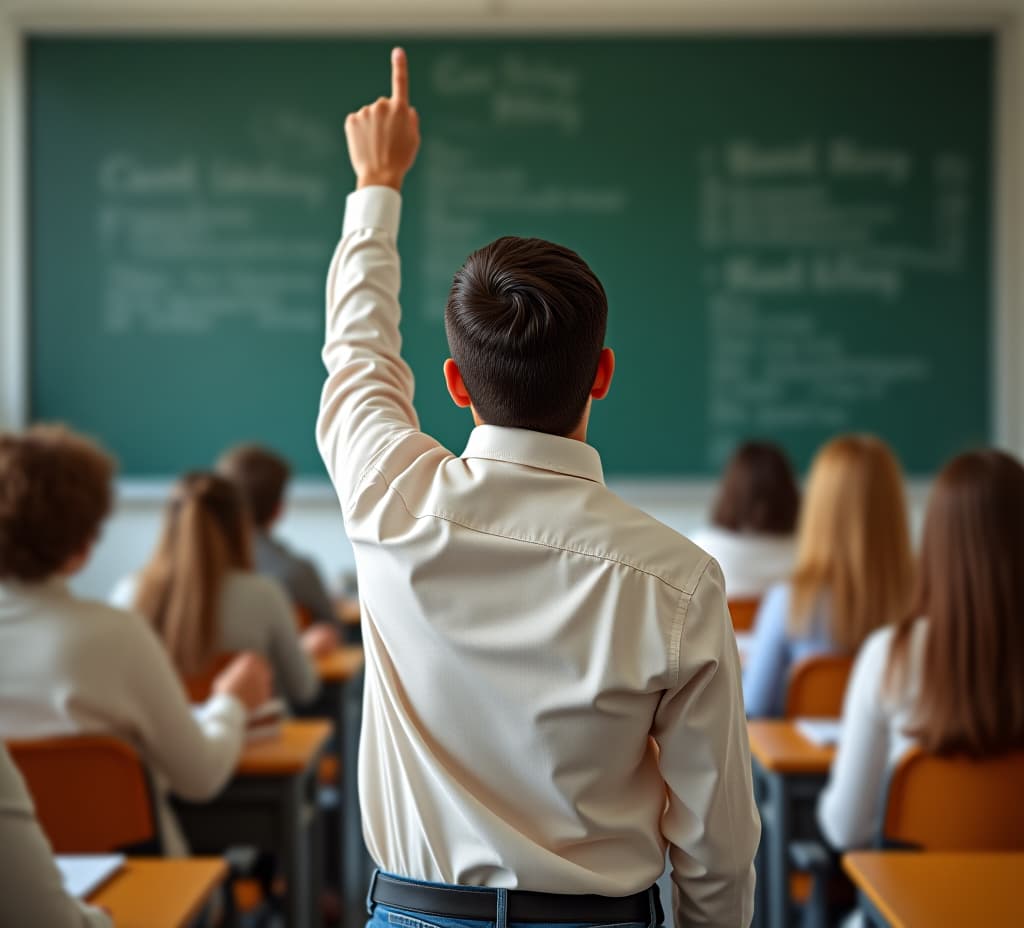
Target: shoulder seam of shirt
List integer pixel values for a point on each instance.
(452, 520)
(350, 503)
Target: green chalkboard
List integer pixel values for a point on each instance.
(794, 232)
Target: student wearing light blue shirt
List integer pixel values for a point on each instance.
(853, 574)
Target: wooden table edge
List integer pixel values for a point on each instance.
(219, 873)
(267, 769)
(851, 864)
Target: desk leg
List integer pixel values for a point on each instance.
(776, 850)
(356, 862)
(302, 852)
(760, 860)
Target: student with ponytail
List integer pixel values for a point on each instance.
(951, 677)
(203, 598)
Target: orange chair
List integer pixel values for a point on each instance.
(743, 612)
(92, 794)
(303, 618)
(955, 803)
(199, 686)
(817, 686)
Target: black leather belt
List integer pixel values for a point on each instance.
(481, 903)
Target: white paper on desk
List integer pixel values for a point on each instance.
(83, 874)
(822, 732)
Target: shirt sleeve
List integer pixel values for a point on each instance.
(848, 808)
(31, 888)
(764, 681)
(711, 820)
(367, 400)
(195, 752)
(294, 672)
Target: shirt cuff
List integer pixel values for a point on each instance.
(373, 208)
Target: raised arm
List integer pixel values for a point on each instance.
(367, 400)
(710, 822)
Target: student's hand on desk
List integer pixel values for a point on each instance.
(248, 678)
(319, 639)
(383, 138)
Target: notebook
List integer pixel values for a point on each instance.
(83, 874)
(265, 722)
(822, 732)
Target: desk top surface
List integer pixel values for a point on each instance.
(780, 748)
(919, 890)
(160, 893)
(341, 664)
(296, 747)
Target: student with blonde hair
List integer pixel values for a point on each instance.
(72, 666)
(853, 573)
(951, 677)
(202, 596)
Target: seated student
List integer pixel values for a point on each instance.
(203, 598)
(853, 574)
(31, 889)
(261, 476)
(951, 677)
(69, 665)
(753, 520)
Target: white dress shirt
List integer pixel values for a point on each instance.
(31, 890)
(73, 666)
(552, 684)
(872, 739)
(751, 563)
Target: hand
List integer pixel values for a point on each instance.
(248, 678)
(319, 639)
(383, 138)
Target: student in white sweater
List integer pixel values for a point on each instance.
(952, 680)
(203, 598)
(31, 890)
(69, 665)
(753, 520)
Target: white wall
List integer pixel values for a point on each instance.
(313, 522)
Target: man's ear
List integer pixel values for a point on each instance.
(603, 377)
(456, 388)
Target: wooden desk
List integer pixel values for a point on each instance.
(789, 774)
(924, 890)
(271, 803)
(160, 893)
(341, 699)
(341, 664)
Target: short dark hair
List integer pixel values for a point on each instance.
(261, 475)
(758, 492)
(526, 322)
(55, 492)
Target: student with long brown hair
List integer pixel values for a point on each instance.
(853, 574)
(951, 678)
(202, 596)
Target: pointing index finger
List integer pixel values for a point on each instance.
(399, 76)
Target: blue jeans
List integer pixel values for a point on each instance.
(383, 916)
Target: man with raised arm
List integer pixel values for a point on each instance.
(552, 682)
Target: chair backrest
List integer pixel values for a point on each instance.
(303, 618)
(199, 686)
(817, 686)
(955, 803)
(91, 792)
(743, 612)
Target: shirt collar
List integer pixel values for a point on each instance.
(12, 589)
(535, 449)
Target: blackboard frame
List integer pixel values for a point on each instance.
(1007, 383)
